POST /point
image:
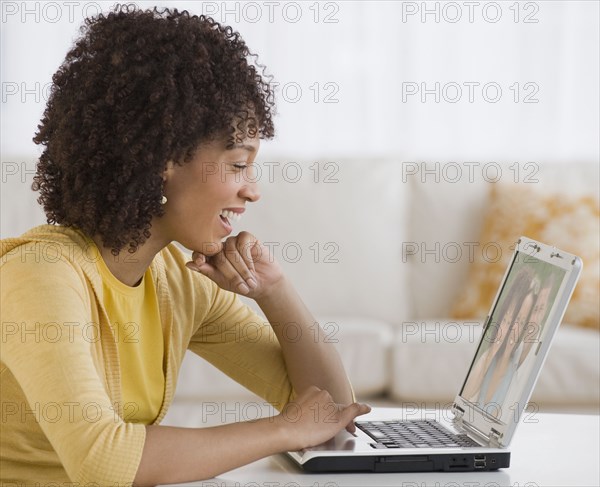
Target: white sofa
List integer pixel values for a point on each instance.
(340, 229)
(341, 242)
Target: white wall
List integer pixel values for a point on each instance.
(363, 55)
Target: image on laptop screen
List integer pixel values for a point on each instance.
(506, 355)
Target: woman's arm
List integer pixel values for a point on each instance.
(186, 454)
(245, 266)
(173, 454)
(309, 359)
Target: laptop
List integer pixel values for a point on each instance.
(475, 433)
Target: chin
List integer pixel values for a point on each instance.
(211, 248)
(206, 247)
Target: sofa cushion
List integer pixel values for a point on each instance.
(447, 218)
(569, 222)
(364, 345)
(430, 360)
(571, 374)
(445, 221)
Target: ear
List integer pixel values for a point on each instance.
(168, 171)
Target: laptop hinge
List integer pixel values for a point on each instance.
(493, 438)
(457, 416)
(458, 412)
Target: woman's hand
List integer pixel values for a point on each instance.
(313, 418)
(243, 266)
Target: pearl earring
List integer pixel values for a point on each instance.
(163, 200)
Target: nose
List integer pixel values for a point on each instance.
(250, 191)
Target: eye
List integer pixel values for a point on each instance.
(240, 166)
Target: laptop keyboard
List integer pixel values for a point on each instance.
(413, 434)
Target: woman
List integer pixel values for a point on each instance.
(149, 138)
(531, 337)
(535, 325)
(493, 371)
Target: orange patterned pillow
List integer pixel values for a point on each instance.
(571, 223)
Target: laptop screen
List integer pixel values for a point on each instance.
(506, 354)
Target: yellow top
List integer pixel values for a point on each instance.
(63, 416)
(135, 318)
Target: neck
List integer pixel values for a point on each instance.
(129, 268)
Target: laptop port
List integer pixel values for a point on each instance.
(480, 461)
(458, 463)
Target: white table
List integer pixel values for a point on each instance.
(548, 450)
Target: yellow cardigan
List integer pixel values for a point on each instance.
(62, 414)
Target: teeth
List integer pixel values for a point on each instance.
(231, 216)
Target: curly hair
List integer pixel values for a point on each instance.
(138, 89)
(521, 287)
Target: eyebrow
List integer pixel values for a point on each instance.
(247, 147)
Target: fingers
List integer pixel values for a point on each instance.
(238, 253)
(325, 409)
(198, 257)
(314, 417)
(357, 409)
(249, 248)
(233, 267)
(352, 411)
(207, 269)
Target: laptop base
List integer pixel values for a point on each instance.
(460, 462)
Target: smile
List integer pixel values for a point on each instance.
(230, 215)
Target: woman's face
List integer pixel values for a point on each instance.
(506, 328)
(521, 319)
(198, 192)
(539, 309)
(507, 318)
(504, 325)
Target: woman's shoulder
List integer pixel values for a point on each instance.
(40, 268)
(45, 251)
(45, 244)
